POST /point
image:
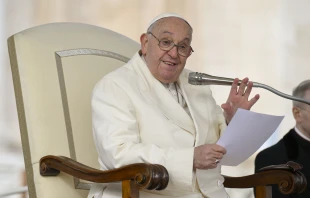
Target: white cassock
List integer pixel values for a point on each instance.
(136, 120)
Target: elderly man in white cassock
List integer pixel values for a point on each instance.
(147, 112)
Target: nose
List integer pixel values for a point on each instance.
(173, 52)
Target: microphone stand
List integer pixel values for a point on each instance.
(196, 78)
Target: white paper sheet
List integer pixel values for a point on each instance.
(245, 134)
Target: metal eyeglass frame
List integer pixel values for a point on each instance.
(172, 46)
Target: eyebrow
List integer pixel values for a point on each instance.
(170, 33)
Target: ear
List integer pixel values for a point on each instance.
(144, 43)
(296, 114)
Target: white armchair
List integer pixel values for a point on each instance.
(55, 68)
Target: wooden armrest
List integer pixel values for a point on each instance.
(290, 166)
(287, 176)
(145, 176)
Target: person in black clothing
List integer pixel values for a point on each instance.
(295, 145)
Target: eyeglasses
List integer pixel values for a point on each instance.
(167, 45)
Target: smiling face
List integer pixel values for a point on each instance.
(166, 66)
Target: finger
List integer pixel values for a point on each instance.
(218, 156)
(226, 106)
(234, 86)
(212, 165)
(248, 89)
(227, 109)
(242, 86)
(253, 101)
(219, 148)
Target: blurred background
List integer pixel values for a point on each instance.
(265, 40)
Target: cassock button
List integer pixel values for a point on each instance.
(220, 183)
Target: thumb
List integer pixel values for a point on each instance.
(225, 106)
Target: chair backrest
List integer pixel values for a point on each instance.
(55, 67)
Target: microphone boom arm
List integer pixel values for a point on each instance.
(196, 78)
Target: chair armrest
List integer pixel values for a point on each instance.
(287, 176)
(145, 176)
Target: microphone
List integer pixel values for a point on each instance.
(196, 78)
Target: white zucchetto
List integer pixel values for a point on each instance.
(165, 15)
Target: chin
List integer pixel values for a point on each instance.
(168, 78)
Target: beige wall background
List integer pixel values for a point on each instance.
(265, 40)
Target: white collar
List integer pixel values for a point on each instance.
(301, 134)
